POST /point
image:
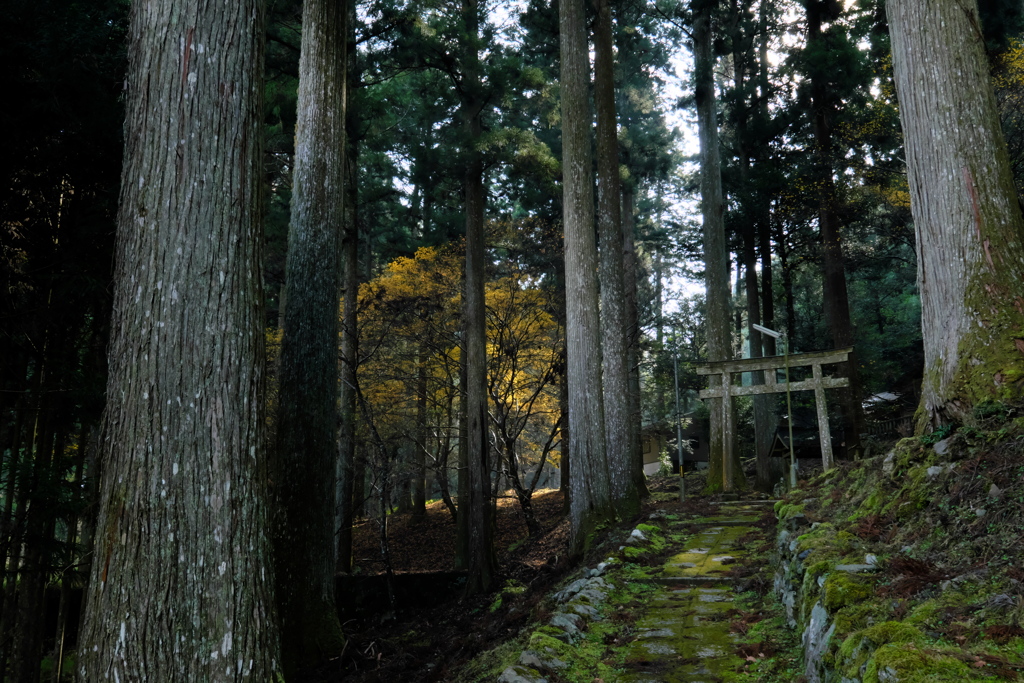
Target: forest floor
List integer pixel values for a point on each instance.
(426, 643)
(445, 641)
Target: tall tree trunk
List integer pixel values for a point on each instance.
(481, 551)
(307, 422)
(723, 470)
(752, 216)
(591, 496)
(614, 349)
(70, 538)
(347, 470)
(837, 302)
(9, 534)
(970, 233)
(629, 266)
(787, 289)
(462, 482)
(182, 583)
(590, 490)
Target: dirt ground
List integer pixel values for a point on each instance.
(427, 544)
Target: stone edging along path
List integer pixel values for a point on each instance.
(683, 635)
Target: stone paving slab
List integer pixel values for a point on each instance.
(684, 636)
(708, 553)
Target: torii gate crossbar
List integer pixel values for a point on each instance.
(772, 364)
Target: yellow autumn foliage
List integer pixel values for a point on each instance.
(409, 322)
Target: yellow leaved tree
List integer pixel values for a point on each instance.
(408, 380)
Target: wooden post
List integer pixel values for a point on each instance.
(727, 431)
(824, 433)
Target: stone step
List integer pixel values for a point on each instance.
(694, 580)
(743, 502)
(715, 522)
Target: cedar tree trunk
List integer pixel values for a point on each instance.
(181, 587)
(970, 234)
(614, 348)
(589, 484)
(721, 474)
(305, 469)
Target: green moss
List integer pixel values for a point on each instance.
(859, 648)
(488, 665)
(908, 664)
(871, 505)
(892, 632)
(925, 614)
(819, 568)
(544, 643)
(820, 537)
(842, 589)
(632, 552)
(787, 512)
(809, 588)
(549, 631)
(855, 617)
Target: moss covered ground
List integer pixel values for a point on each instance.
(940, 521)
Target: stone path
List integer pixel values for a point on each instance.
(684, 636)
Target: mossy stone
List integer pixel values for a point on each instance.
(843, 589)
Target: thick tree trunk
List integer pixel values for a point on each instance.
(307, 421)
(181, 587)
(970, 233)
(481, 551)
(614, 348)
(723, 470)
(347, 470)
(590, 491)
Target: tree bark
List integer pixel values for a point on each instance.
(182, 585)
(970, 233)
(481, 551)
(347, 470)
(723, 470)
(629, 266)
(590, 491)
(307, 421)
(614, 349)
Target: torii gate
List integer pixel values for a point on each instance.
(772, 364)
